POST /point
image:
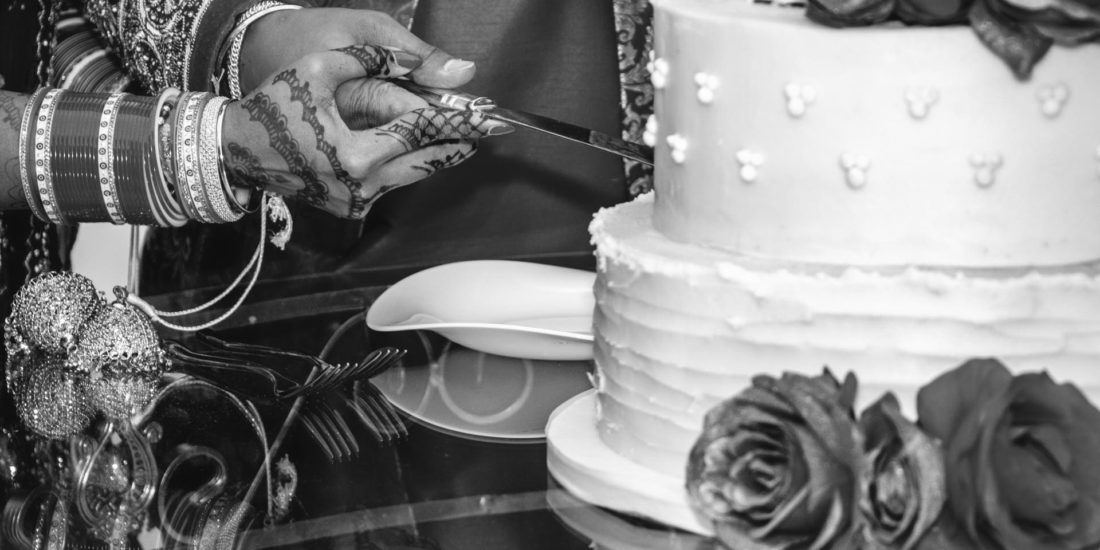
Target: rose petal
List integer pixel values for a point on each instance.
(1069, 35)
(1083, 11)
(763, 396)
(834, 524)
(886, 429)
(1016, 43)
(944, 402)
(1032, 493)
(818, 405)
(1077, 421)
(952, 411)
(1047, 440)
(825, 478)
(932, 12)
(1031, 5)
(782, 514)
(849, 13)
(734, 535)
(747, 493)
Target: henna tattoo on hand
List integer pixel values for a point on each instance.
(262, 109)
(375, 61)
(434, 165)
(15, 198)
(430, 125)
(244, 167)
(300, 92)
(11, 111)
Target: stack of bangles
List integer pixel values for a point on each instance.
(126, 159)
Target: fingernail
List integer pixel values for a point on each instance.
(406, 60)
(500, 129)
(457, 65)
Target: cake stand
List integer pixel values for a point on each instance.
(586, 467)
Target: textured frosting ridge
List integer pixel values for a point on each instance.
(680, 327)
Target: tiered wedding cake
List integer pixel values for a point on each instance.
(887, 201)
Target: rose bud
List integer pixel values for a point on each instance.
(776, 465)
(1020, 454)
(932, 12)
(849, 13)
(902, 482)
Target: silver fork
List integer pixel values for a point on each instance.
(330, 430)
(321, 413)
(377, 413)
(335, 376)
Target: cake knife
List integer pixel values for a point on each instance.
(592, 138)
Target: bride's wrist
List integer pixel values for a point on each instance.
(259, 34)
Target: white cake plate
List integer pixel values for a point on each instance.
(586, 467)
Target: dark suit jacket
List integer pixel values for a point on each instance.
(523, 196)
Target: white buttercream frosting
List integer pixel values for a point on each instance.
(680, 327)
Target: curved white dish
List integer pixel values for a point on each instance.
(484, 396)
(510, 308)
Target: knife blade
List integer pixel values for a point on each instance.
(459, 100)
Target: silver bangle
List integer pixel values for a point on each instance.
(44, 172)
(25, 131)
(188, 178)
(210, 162)
(173, 214)
(105, 155)
(236, 39)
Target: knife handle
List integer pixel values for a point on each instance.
(448, 98)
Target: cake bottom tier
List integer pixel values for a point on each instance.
(680, 328)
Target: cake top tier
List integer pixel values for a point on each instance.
(884, 145)
(1020, 32)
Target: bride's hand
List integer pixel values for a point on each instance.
(288, 136)
(279, 38)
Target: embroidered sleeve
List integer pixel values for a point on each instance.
(166, 43)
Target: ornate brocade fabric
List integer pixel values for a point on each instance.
(154, 38)
(635, 35)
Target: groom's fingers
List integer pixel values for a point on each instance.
(368, 102)
(335, 67)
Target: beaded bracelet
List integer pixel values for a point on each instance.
(26, 155)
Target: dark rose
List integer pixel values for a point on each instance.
(1021, 457)
(1066, 22)
(902, 482)
(1015, 42)
(776, 465)
(1022, 31)
(849, 13)
(933, 12)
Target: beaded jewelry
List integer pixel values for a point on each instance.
(43, 170)
(26, 156)
(107, 158)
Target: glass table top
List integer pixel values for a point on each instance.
(457, 459)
